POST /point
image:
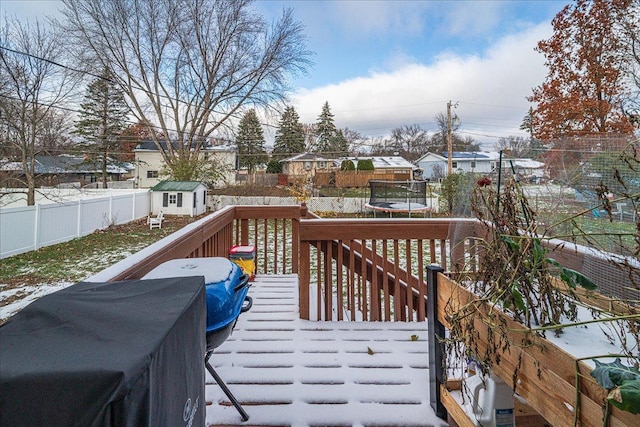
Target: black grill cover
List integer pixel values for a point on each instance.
(125, 353)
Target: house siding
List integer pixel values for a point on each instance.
(150, 162)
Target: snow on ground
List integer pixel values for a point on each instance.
(304, 373)
(25, 295)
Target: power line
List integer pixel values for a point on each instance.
(71, 110)
(77, 70)
(269, 125)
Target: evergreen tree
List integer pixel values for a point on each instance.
(250, 142)
(340, 145)
(103, 116)
(347, 165)
(290, 136)
(325, 131)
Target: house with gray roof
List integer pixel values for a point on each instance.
(68, 169)
(434, 166)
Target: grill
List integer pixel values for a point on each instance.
(226, 298)
(125, 353)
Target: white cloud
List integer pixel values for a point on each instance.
(366, 18)
(491, 87)
(470, 18)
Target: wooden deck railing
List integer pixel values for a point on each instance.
(359, 269)
(349, 269)
(373, 270)
(272, 229)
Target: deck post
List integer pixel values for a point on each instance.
(436, 333)
(304, 278)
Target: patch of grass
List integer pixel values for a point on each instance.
(78, 259)
(344, 192)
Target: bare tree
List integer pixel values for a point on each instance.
(514, 146)
(310, 131)
(32, 84)
(409, 141)
(355, 140)
(188, 67)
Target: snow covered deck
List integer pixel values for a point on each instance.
(291, 372)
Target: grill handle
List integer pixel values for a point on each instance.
(243, 281)
(246, 305)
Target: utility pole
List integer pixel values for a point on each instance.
(449, 142)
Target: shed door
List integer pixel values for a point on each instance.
(165, 200)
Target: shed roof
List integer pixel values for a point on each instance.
(176, 186)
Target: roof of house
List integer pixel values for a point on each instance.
(463, 155)
(55, 165)
(472, 155)
(150, 145)
(176, 186)
(304, 157)
(385, 162)
(528, 163)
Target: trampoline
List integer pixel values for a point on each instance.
(398, 197)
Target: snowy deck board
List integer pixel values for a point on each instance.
(290, 372)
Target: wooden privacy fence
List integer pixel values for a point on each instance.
(352, 179)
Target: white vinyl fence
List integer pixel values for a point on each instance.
(28, 228)
(315, 204)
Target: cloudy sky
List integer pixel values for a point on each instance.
(384, 64)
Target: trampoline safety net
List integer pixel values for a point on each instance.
(398, 195)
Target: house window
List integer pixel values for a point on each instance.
(473, 164)
(322, 165)
(454, 164)
(152, 174)
(307, 166)
(171, 199)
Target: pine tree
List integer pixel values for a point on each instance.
(103, 116)
(290, 136)
(340, 145)
(250, 142)
(325, 131)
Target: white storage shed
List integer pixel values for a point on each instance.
(179, 198)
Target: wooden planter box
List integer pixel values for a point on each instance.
(546, 374)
